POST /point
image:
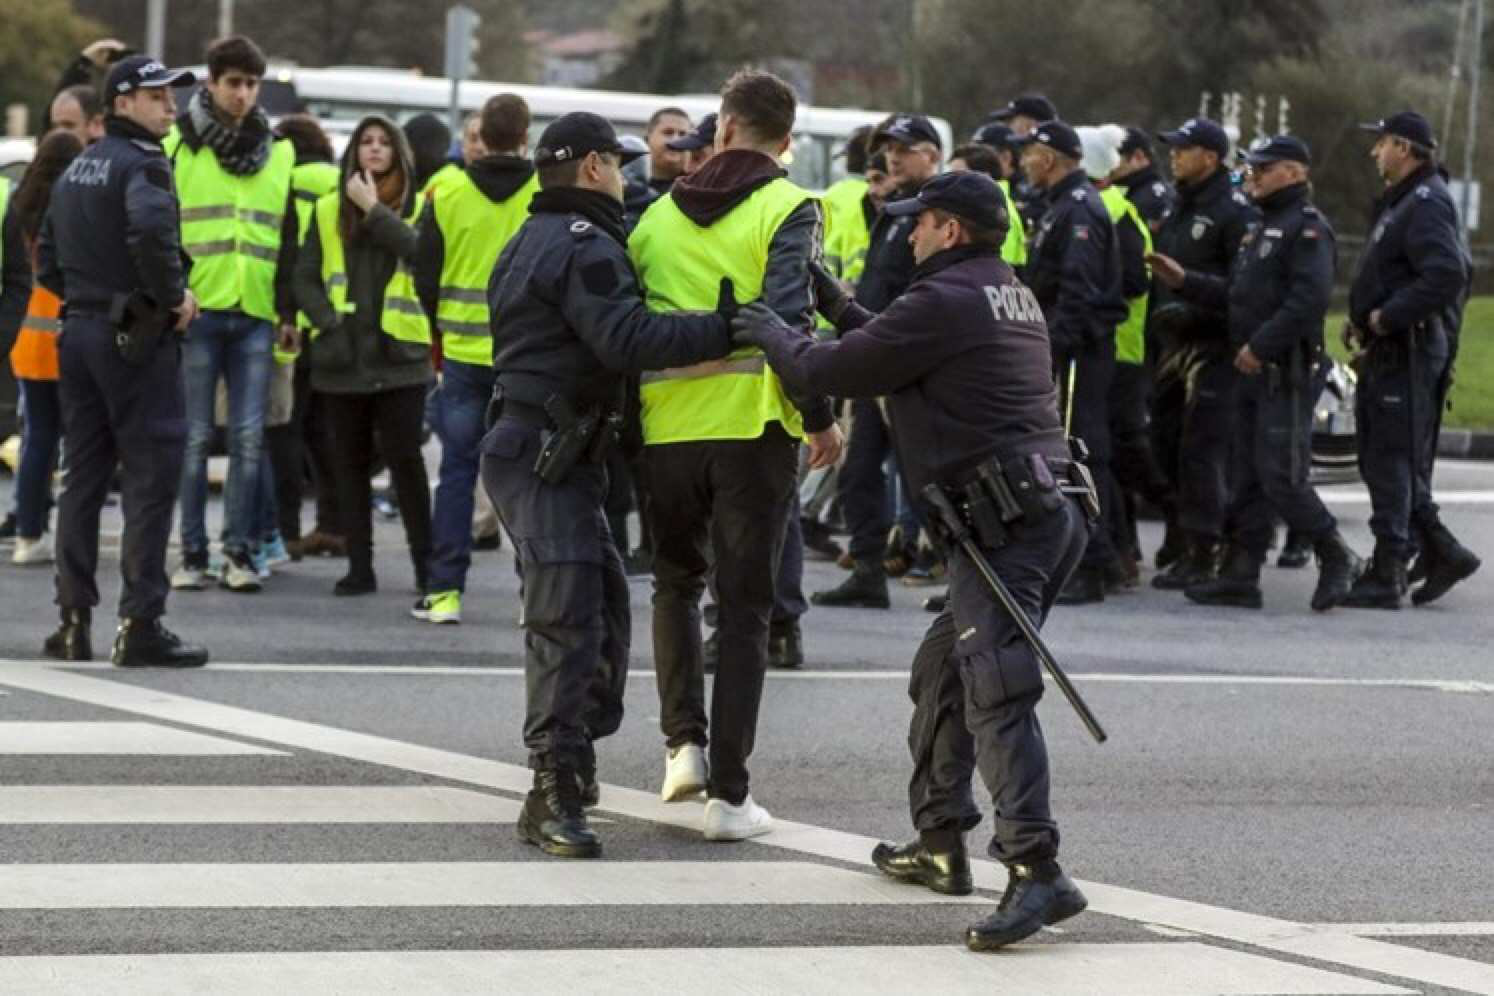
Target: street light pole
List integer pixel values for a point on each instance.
(225, 18)
(1475, 65)
(155, 28)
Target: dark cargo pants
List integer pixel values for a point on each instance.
(1272, 461)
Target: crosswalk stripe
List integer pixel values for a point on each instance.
(1134, 969)
(389, 884)
(249, 804)
(17, 737)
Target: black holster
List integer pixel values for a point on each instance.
(573, 439)
(139, 324)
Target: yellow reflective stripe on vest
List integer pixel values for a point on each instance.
(680, 265)
(402, 316)
(1130, 335)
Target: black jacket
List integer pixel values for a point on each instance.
(962, 358)
(1074, 266)
(112, 224)
(1154, 197)
(568, 313)
(1415, 267)
(1278, 289)
(1203, 235)
(15, 280)
(889, 258)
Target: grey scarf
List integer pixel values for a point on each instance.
(241, 150)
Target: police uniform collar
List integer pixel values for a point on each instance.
(1286, 197)
(1425, 172)
(1211, 188)
(945, 258)
(1067, 184)
(1141, 178)
(597, 208)
(130, 131)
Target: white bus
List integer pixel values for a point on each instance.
(340, 96)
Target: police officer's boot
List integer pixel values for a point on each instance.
(1338, 568)
(146, 643)
(866, 588)
(1238, 584)
(786, 646)
(1037, 895)
(1296, 552)
(71, 642)
(1447, 562)
(1174, 546)
(1381, 586)
(936, 859)
(1198, 565)
(553, 818)
(586, 776)
(1084, 587)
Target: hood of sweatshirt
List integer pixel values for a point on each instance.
(500, 177)
(710, 193)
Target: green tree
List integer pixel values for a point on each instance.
(38, 40)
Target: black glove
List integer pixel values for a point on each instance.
(755, 324)
(726, 300)
(829, 296)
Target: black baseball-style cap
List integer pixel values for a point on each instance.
(996, 135)
(910, 129)
(1408, 125)
(1200, 132)
(702, 137)
(970, 195)
(1031, 105)
(1057, 136)
(1136, 140)
(142, 72)
(572, 136)
(1280, 149)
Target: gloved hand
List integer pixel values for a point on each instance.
(829, 296)
(754, 324)
(726, 300)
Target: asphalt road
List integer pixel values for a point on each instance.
(1289, 803)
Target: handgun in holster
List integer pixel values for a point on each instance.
(1080, 477)
(139, 322)
(567, 443)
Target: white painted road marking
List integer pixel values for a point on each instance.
(493, 883)
(250, 804)
(1267, 933)
(1158, 969)
(1332, 497)
(117, 738)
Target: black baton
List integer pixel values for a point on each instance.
(955, 527)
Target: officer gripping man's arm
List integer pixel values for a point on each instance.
(963, 358)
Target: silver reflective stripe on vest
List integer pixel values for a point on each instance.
(42, 324)
(201, 250)
(337, 280)
(748, 365)
(266, 218)
(208, 212)
(463, 328)
(308, 195)
(260, 252)
(464, 295)
(403, 305)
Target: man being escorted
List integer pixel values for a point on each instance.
(963, 360)
(1405, 308)
(568, 320)
(1277, 293)
(110, 249)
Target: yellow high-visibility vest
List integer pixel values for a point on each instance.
(1130, 336)
(309, 183)
(1014, 249)
(402, 317)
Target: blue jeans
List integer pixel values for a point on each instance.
(40, 434)
(456, 414)
(236, 347)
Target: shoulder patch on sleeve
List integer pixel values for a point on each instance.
(1424, 192)
(599, 277)
(158, 174)
(1310, 232)
(1159, 189)
(1078, 195)
(582, 229)
(1081, 232)
(1240, 199)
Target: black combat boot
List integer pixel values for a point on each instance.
(553, 818)
(146, 643)
(1338, 568)
(866, 588)
(1446, 562)
(710, 652)
(586, 776)
(1238, 584)
(786, 646)
(1296, 552)
(1198, 565)
(1174, 546)
(1036, 896)
(936, 603)
(1084, 587)
(1381, 586)
(71, 642)
(935, 859)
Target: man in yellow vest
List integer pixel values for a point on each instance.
(239, 227)
(468, 221)
(722, 439)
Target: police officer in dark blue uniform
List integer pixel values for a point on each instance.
(1276, 294)
(110, 248)
(1194, 374)
(1154, 197)
(1022, 115)
(963, 359)
(568, 322)
(1074, 268)
(1405, 309)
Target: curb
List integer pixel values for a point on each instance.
(1466, 443)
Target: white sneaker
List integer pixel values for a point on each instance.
(684, 773)
(239, 574)
(723, 821)
(32, 551)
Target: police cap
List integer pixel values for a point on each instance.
(703, 137)
(1407, 125)
(1136, 140)
(571, 136)
(971, 195)
(1280, 149)
(1029, 105)
(142, 72)
(996, 135)
(1201, 133)
(1057, 136)
(910, 129)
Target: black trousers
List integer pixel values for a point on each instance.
(1272, 463)
(134, 417)
(577, 627)
(1398, 409)
(1088, 416)
(733, 496)
(303, 443)
(863, 483)
(396, 416)
(1192, 409)
(1132, 462)
(975, 688)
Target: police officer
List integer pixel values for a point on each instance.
(110, 248)
(963, 359)
(1194, 373)
(1405, 307)
(1153, 196)
(1074, 268)
(1277, 293)
(568, 319)
(1022, 115)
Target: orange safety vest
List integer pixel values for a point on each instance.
(34, 356)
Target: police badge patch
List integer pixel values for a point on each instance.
(1266, 247)
(1200, 228)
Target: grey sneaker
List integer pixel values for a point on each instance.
(239, 573)
(192, 575)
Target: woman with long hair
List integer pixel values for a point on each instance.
(371, 340)
(33, 358)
